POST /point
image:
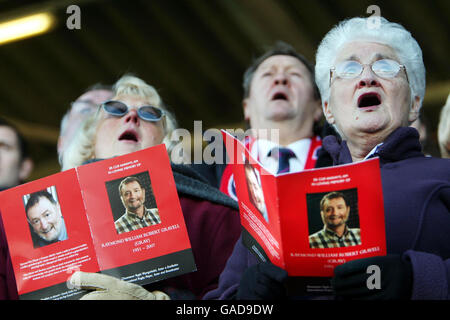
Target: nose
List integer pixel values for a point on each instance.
(44, 224)
(132, 116)
(281, 79)
(368, 79)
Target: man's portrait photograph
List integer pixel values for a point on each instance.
(132, 202)
(44, 217)
(333, 219)
(255, 191)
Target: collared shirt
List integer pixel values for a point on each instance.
(261, 150)
(326, 238)
(373, 152)
(130, 221)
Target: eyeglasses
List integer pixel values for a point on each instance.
(384, 68)
(119, 109)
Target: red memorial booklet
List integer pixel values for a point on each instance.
(75, 220)
(309, 222)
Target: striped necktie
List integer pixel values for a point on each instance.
(282, 155)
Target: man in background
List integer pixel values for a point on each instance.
(15, 163)
(80, 109)
(280, 95)
(15, 167)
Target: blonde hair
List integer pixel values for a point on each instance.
(82, 146)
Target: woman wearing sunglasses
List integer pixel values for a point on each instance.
(372, 84)
(135, 119)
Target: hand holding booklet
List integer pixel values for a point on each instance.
(120, 216)
(309, 222)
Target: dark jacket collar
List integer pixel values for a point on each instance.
(401, 144)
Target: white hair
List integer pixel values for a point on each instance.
(388, 33)
(81, 148)
(444, 129)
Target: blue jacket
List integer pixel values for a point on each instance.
(416, 191)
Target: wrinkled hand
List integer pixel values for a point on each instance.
(263, 281)
(350, 279)
(109, 288)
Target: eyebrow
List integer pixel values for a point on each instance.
(277, 66)
(41, 215)
(377, 56)
(84, 101)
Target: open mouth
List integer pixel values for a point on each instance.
(369, 100)
(129, 135)
(280, 96)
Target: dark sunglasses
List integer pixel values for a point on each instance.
(119, 109)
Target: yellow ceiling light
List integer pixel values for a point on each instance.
(25, 27)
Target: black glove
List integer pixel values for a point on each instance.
(263, 281)
(350, 279)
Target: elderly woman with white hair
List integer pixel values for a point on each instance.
(372, 84)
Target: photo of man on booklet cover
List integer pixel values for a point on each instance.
(137, 198)
(335, 211)
(44, 217)
(255, 191)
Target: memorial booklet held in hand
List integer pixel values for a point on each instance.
(309, 222)
(119, 216)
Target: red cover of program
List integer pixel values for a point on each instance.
(309, 222)
(67, 222)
